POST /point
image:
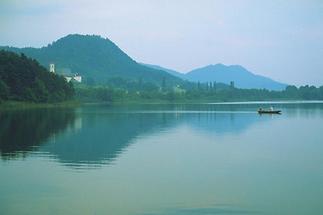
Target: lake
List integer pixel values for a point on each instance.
(194, 159)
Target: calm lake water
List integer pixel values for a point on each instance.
(162, 159)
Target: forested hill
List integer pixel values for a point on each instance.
(236, 73)
(225, 74)
(23, 79)
(95, 58)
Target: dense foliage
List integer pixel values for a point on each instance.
(23, 79)
(211, 92)
(38, 125)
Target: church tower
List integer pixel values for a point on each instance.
(52, 67)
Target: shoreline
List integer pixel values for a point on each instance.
(16, 105)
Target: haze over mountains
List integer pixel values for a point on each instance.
(100, 59)
(225, 74)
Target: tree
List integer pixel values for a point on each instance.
(4, 90)
(291, 92)
(232, 84)
(40, 91)
(214, 86)
(24, 79)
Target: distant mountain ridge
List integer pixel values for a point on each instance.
(171, 71)
(100, 59)
(241, 77)
(95, 57)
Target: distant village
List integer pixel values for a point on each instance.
(69, 77)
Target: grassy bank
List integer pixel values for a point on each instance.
(13, 105)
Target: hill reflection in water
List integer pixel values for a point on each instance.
(24, 130)
(96, 135)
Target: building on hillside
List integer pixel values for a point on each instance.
(74, 77)
(52, 68)
(68, 78)
(78, 78)
(66, 72)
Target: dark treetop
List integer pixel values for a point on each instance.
(23, 79)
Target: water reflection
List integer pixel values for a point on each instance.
(103, 137)
(106, 133)
(24, 130)
(162, 159)
(217, 209)
(97, 135)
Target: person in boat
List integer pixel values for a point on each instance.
(271, 108)
(260, 109)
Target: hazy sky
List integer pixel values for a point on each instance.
(282, 39)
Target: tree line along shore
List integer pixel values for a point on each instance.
(24, 82)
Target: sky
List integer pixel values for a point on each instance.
(279, 39)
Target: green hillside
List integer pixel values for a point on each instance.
(95, 58)
(23, 79)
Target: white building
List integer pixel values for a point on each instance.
(52, 68)
(78, 78)
(74, 77)
(68, 75)
(68, 79)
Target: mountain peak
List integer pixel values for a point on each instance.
(80, 39)
(97, 58)
(240, 75)
(81, 36)
(219, 67)
(214, 65)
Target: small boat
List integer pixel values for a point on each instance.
(270, 111)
